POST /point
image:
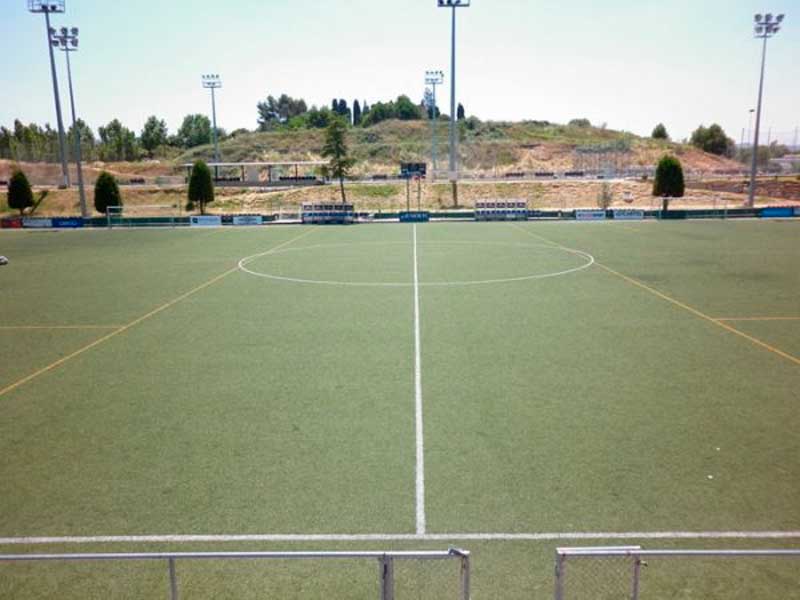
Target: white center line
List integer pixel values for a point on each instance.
(420, 469)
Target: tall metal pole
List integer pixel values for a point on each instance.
(61, 143)
(76, 131)
(754, 167)
(214, 117)
(433, 132)
(453, 149)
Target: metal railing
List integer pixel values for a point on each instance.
(617, 572)
(386, 561)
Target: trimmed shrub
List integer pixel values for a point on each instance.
(20, 195)
(106, 193)
(669, 181)
(201, 187)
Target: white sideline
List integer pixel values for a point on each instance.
(401, 537)
(420, 465)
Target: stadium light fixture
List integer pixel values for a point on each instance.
(453, 5)
(766, 26)
(433, 78)
(48, 7)
(213, 82)
(67, 41)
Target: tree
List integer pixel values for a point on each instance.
(335, 150)
(117, 142)
(406, 110)
(153, 135)
(582, 123)
(195, 131)
(201, 187)
(669, 181)
(660, 132)
(356, 113)
(106, 193)
(713, 140)
(272, 111)
(20, 195)
(461, 114)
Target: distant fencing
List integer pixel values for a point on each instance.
(631, 573)
(385, 562)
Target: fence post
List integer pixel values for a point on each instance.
(387, 577)
(465, 583)
(637, 571)
(560, 564)
(173, 580)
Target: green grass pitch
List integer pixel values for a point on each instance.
(575, 378)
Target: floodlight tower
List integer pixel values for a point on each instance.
(433, 78)
(67, 41)
(453, 5)
(766, 26)
(213, 82)
(46, 7)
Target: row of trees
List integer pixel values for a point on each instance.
(113, 142)
(294, 113)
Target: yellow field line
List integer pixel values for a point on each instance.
(46, 327)
(135, 322)
(682, 305)
(758, 319)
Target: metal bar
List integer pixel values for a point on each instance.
(588, 553)
(561, 560)
(173, 580)
(465, 577)
(61, 142)
(401, 555)
(387, 577)
(637, 571)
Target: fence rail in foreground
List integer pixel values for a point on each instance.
(385, 561)
(616, 571)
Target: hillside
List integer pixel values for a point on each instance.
(486, 148)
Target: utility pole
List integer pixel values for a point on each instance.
(765, 27)
(433, 78)
(47, 7)
(67, 41)
(453, 5)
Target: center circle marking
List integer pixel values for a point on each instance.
(244, 262)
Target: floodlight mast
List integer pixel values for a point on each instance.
(213, 82)
(765, 27)
(67, 41)
(433, 78)
(47, 7)
(453, 5)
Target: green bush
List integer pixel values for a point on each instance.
(20, 195)
(106, 193)
(660, 132)
(669, 181)
(201, 187)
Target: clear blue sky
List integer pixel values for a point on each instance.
(629, 63)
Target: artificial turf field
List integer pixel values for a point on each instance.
(639, 379)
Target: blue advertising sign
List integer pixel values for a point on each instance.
(418, 216)
(67, 222)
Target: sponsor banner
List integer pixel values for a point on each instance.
(67, 222)
(36, 222)
(415, 217)
(628, 214)
(590, 215)
(797, 211)
(771, 212)
(247, 220)
(12, 223)
(206, 221)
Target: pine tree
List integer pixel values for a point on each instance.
(335, 149)
(461, 114)
(660, 132)
(669, 182)
(356, 113)
(20, 195)
(201, 187)
(106, 193)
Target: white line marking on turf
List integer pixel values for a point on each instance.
(400, 537)
(420, 469)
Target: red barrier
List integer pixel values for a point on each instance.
(11, 223)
